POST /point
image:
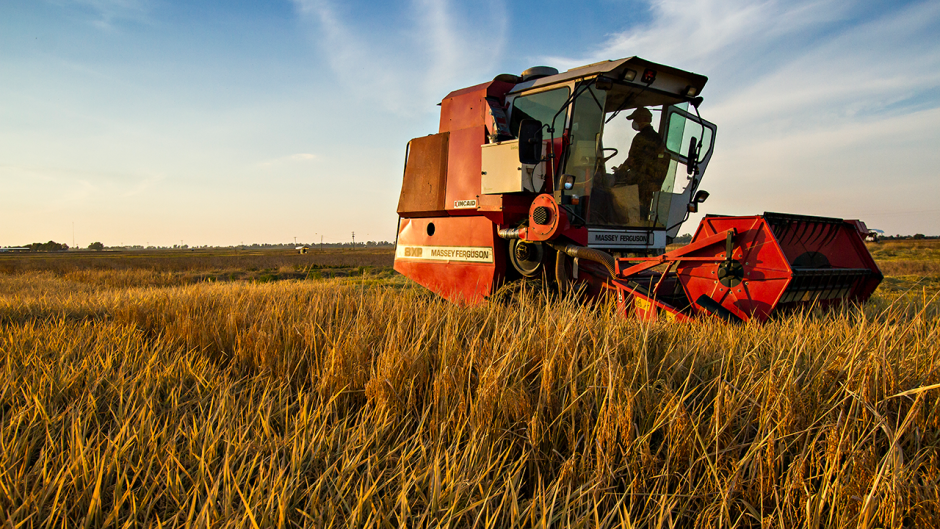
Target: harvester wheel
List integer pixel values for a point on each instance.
(527, 257)
(730, 273)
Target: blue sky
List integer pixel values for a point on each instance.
(207, 122)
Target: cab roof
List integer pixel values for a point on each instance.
(665, 78)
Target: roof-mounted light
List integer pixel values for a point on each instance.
(629, 75)
(648, 76)
(690, 91)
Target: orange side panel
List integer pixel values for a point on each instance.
(463, 167)
(457, 280)
(466, 108)
(422, 190)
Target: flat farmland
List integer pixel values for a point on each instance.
(179, 267)
(272, 389)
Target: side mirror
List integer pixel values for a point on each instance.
(700, 196)
(530, 141)
(692, 157)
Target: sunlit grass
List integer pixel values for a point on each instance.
(365, 401)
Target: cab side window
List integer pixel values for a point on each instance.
(541, 106)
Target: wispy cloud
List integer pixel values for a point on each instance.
(293, 158)
(73, 185)
(407, 75)
(703, 34)
(887, 66)
(64, 186)
(777, 57)
(104, 13)
(144, 184)
(804, 92)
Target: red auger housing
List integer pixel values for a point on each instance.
(535, 176)
(739, 268)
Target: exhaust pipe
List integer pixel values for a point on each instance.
(511, 233)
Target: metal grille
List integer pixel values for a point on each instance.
(542, 215)
(807, 230)
(820, 284)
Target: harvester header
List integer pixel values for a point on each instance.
(582, 179)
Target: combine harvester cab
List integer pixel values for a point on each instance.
(739, 268)
(581, 179)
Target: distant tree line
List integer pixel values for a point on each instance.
(368, 244)
(50, 246)
(98, 246)
(916, 237)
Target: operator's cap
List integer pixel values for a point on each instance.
(642, 115)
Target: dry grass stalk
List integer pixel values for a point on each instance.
(343, 403)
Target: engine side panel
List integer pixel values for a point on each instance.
(460, 258)
(468, 107)
(463, 170)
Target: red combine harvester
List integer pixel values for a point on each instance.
(535, 176)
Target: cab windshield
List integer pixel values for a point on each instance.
(617, 169)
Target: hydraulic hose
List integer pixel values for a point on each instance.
(583, 252)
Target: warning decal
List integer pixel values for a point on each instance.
(468, 254)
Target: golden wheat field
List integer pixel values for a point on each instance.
(262, 392)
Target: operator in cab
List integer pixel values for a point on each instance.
(647, 164)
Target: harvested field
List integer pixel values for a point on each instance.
(140, 395)
(182, 267)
